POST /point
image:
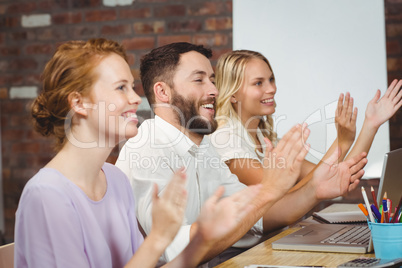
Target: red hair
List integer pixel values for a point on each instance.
(70, 70)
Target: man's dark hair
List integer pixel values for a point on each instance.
(160, 65)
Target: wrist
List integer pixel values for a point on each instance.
(312, 188)
(345, 144)
(368, 125)
(158, 241)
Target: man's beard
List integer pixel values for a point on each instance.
(189, 117)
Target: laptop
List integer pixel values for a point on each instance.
(346, 237)
(391, 177)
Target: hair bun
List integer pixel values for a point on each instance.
(43, 119)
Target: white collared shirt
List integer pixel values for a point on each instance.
(154, 154)
(232, 141)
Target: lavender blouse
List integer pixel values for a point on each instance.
(57, 225)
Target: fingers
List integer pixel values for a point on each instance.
(345, 109)
(356, 177)
(217, 195)
(397, 99)
(296, 147)
(350, 109)
(286, 137)
(293, 146)
(155, 194)
(268, 145)
(340, 105)
(397, 106)
(355, 183)
(376, 96)
(176, 186)
(346, 104)
(390, 88)
(394, 90)
(359, 165)
(354, 115)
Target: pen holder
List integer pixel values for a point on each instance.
(387, 240)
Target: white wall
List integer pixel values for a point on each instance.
(318, 49)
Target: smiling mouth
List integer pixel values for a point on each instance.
(267, 101)
(130, 115)
(208, 106)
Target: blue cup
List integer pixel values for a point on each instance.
(387, 240)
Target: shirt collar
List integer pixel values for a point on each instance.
(177, 139)
(241, 130)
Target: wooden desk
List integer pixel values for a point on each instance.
(264, 254)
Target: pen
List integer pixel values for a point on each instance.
(396, 215)
(376, 213)
(367, 205)
(374, 198)
(389, 205)
(385, 211)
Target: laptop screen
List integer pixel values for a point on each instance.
(391, 178)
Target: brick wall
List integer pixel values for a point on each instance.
(30, 31)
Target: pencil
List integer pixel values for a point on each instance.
(395, 218)
(385, 211)
(367, 205)
(374, 198)
(385, 196)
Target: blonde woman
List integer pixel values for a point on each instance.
(246, 101)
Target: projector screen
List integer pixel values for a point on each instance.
(319, 49)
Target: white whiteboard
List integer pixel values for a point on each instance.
(318, 49)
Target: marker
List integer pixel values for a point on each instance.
(389, 205)
(367, 205)
(385, 211)
(374, 198)
(363, 209)
(376, 213)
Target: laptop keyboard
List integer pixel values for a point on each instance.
(349, 235)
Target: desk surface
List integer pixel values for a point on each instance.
(264, 254)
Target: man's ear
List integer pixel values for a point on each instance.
(162, 92)
(76, 102)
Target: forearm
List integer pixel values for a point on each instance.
(193, 254)
(344, 147)
(260, 204)
(290, 208)
(364, 141)
(142, 258)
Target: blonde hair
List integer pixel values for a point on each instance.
(229, 77)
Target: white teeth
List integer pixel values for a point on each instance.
(208, 106)
(267, 101)
(130, 115)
